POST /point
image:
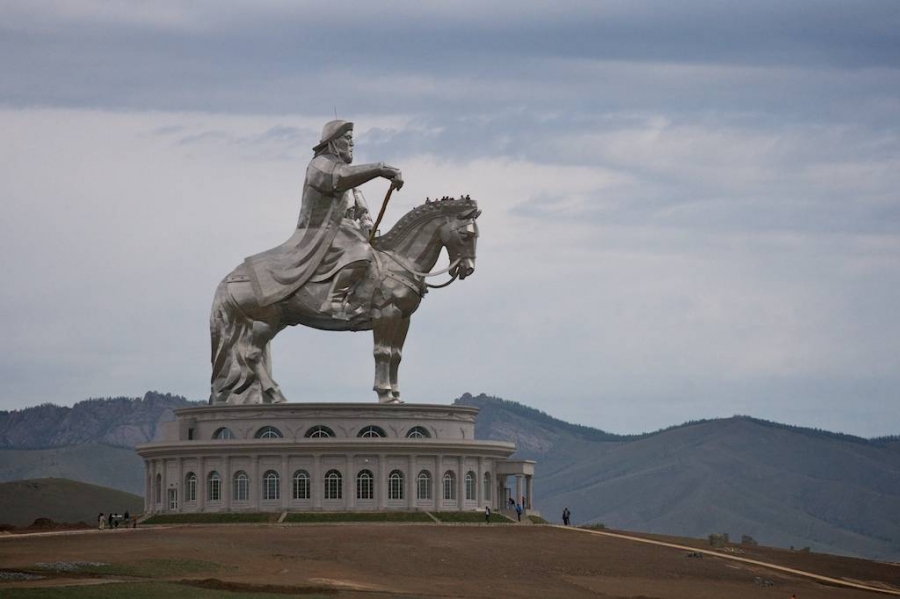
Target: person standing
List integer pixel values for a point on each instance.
(487, 514)
(519, 511)
(566, 515)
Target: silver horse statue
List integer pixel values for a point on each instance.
(390, 292)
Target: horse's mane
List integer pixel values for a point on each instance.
(426, 211)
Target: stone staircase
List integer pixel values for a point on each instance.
(511, 514)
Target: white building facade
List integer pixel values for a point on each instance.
(328, 457)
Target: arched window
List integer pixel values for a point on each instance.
(470, 486)
(365, 487)
(158, 488)
(271, 490)
(223, 433)
(418, 432)
(395, 485)
(423, 485)
(213, 486)
(241, 486)
(487, 486)
(268, 432)
(371, 432)
(319, 432)
(449, 486)
(190, 487)
(333, 485)
(301, 484)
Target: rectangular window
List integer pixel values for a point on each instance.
(395, 488)
(364, 489)
(213, 490)
(470, 488)
(449, 489)
(270, 492)
(301, 488)
(241, 489)
(333, 488)
(173, 499)
(423, 488)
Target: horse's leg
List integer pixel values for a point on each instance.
(385, 323)
(259, 358)
(397, 355)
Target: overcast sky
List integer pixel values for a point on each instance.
(690, 209)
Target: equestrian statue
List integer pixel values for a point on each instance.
(334, 274)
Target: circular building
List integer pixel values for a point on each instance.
(329, 457)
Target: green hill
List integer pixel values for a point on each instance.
(96, 463)
(24, 501)
(782, 485)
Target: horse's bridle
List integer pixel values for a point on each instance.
(424, 275)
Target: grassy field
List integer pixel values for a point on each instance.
(147, 568)
(469, 517)
(23, 501)
(312, 517)
(152, 590)
(212, 518)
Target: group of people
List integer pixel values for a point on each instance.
(113, 520)
(518, 507)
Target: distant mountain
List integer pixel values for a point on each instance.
(24, 501)
(782, 485)
(122, 421)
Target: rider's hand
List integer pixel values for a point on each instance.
(392, 173)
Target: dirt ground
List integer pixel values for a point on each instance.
(391, 560)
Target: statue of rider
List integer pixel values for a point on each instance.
(331, 239)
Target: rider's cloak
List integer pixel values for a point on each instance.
(324, 241)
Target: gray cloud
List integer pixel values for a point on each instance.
(704, 192)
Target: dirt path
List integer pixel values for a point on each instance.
(719, 554)
(424, 560)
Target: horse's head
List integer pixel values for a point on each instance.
(460, 235)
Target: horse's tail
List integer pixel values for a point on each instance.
(227, 329)
(241, 364)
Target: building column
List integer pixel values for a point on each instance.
(318, 484)
(500, 490)
(350, 484)
(287, 485)
(439, 483)
(165, 486)
(201, 484)
(227, 485)
(528, 490)
(147, 486)
(411, 487)
(518, 496)
(179, 484)
(461, 484)
(255, 483)
(479, 485)
(381, 486)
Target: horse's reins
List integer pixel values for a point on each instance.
(412, 270)
(387, 198)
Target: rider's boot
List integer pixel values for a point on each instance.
(339, 297)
